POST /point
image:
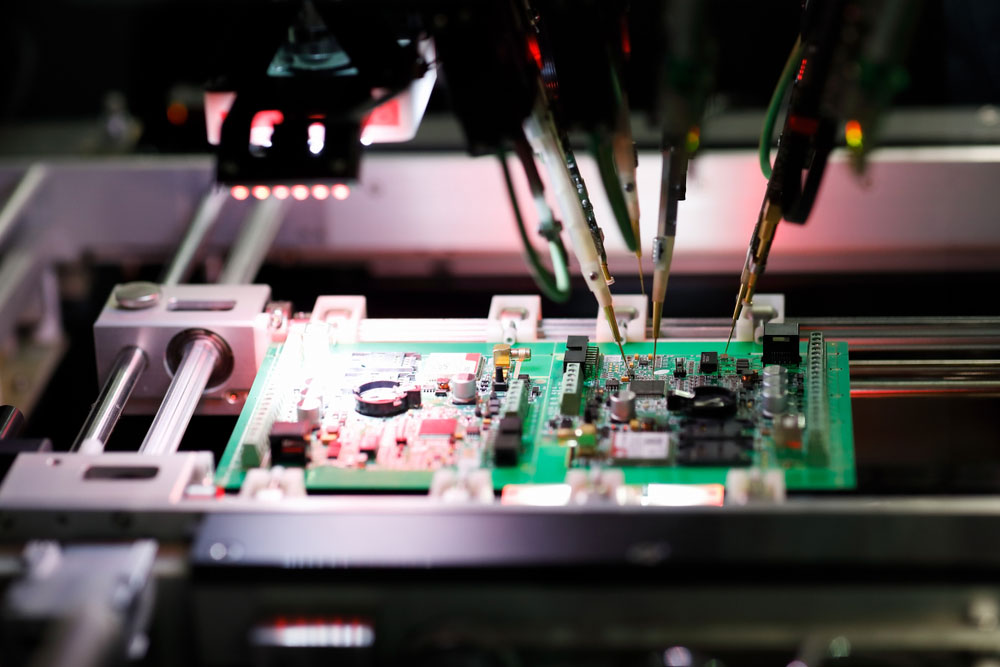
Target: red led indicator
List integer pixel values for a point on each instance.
(535, 50)
(320, 192)
(261, 192)
(240, 192)
(280, 191)
(340, 192)
(300, 192)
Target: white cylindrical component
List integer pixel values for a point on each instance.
(623, 405)
(463, 388)
(774, 391)
(310, 409)
(179, 403)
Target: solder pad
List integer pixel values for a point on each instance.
(401, 452)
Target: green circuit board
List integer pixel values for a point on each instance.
(687, 425)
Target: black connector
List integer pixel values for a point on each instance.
(781, 343)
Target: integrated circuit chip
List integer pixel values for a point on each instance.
(648, 387)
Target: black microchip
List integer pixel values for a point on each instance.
(511, 425)
(612, 384)
(709, 362)
(781, 343)
(714, 453)
(506, 449)
(289, 444)
(711, 443)
(742, 366)
(680, 368)
(648, 387)
(709, 402)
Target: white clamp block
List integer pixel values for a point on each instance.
(343, 314)
(631, 310)
(755, 485)
(765, 308)
(514, 318)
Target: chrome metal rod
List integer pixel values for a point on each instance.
(254, 241)
(202, 222)
(20, 198)
(128, 367)
(179, 403)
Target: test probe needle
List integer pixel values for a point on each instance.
(623, 149)
(666, 230)
(753, 267)
(540, 131)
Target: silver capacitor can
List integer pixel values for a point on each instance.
(310, 410)
(623, 405)
(774, 390)
(463, 388)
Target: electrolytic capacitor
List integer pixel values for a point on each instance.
(310, 410)
(463, 388)
(774, 392)
(623, 405)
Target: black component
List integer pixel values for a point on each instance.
(709, 402)
(289, 444)
(506, 450)
(507, 443)
(678, 403)
(590, 359)
(575, 357)
(643, 361)
(709, 362)
(499, 384)
(566, 423)
(384, 398)
(648, 387)
(576, 351)
(781, 343)
(680, 368)
(750, 380)
(589, 415)
(413, 398)
(440, 393)
(722, 452)
(512, 425)
(713, 402)
(11, 447)
(612, 385)
(712, 442)
(742, 366)
(524, 377)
